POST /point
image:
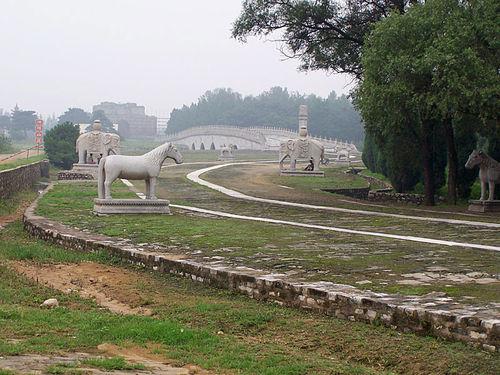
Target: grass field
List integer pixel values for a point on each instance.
(217, 330)
(299, 253)
(22, 161)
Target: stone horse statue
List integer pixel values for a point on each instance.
(489, 172)
(145, 167)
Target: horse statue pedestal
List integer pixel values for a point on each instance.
(298, 172)
(484, 206)
(131, 206)
(145, 167)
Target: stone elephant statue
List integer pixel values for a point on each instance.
(309, 149)
(93, 145)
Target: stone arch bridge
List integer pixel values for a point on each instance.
(249, 138)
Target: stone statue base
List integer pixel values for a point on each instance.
(288, 172)
(131, 206)
(80, 172)
(225, 158)
(484, 206)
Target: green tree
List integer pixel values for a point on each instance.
(75, 116)
(5, 144)
(326, 35)
(423, 71)
(22, 122)
(106, 124)
(59, 143)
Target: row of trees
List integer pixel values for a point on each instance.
(427, 74)
(333, 116)
(79, 116)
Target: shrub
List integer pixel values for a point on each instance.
(60, 143)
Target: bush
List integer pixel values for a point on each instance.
(5, 145)
(60, 144)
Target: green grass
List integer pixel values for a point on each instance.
(21, 161)
(257, 338)
(309, 254)
(335, 178)
(113, 363)
(9, 206)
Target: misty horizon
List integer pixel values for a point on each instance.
(156, 54)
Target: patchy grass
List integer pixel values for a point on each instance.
(21, 161)
(9, 206)
(299, 253)
(215, 329)
(112, 363)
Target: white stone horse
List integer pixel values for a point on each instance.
(145, 167)
(489, 172)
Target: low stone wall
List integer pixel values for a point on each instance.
(22, 177)
(432, 314)
(359, 193)
(375, 181)
(70, 175)
(383, 196)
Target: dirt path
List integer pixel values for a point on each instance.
(75, 363)
(107, 285)
(89, 280)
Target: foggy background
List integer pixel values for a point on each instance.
(162, 54)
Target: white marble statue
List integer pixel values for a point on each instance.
(302, 147)
(226, 152)
(145, 167)
(96, 144)
(489, 172)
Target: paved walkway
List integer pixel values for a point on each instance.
(195, 177)
(321, 227)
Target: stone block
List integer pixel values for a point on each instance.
(298, 173)
(131, 206)
(484, 206)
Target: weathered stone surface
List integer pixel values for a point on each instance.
(429, 314)
(484, 206)
(18, 179)
(299, 173)
(383, 196)
(131, 206)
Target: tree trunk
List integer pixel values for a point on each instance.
(452, 161)
(428, 163)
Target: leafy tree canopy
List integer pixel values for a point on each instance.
(60, 144)
(333, 116)
(75, 116)
(323, 34)
(21, 123)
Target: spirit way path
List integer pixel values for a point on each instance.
(194, 176)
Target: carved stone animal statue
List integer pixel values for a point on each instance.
(144, 167)
(295, 149)
(90, 146)
(489, 172)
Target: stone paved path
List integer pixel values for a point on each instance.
(195, 177)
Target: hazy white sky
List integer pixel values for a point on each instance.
(159, 53)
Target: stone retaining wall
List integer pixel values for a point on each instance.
(433, 314)
(359, 193)
(70, 175)
(22, 177)
(382, 196)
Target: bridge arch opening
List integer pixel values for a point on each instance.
(193, 147)
(202, 146)
(212, 146)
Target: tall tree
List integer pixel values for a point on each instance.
(326, 34)
(59, 144)
(106, 124)
(423, 71)
(22, 122)
(75, 116)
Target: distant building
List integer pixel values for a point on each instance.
(131, 119)
(161, 125)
